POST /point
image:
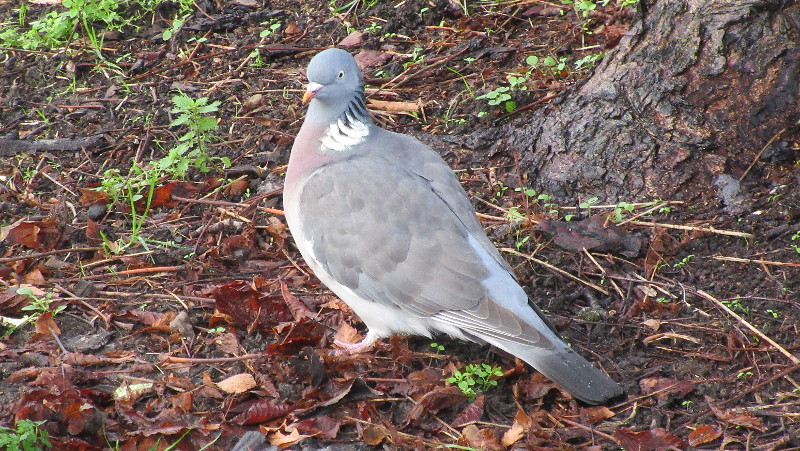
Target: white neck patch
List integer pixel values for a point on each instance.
(345, 133)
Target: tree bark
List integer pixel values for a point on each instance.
(695, 89)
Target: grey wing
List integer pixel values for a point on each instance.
(382, 232)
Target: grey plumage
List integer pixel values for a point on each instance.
(384, 223)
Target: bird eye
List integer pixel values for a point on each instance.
(341, 74)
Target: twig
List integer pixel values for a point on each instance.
(755, 160)
(171, 359)
(127, 272)
(761, 262)
(724, 307)
(761, 384)
(693, 228)
(603, 272)
(585, 428)
(553, 268)
(45, 254)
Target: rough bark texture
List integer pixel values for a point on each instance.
(694, 90)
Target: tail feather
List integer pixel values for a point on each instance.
(566, 368)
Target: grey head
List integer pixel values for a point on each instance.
(335, 89)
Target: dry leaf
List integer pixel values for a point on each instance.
(704, 434)
(238, 383)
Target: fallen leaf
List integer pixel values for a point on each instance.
(657, 439)
(238, 383)
(353, 39)
(704, 434)
(281, 440)
(374, 434)
(46, 327)
(738, 417)
(298, 309)
(483, 439)
(261, 412)
(522, 423)
(597, 413)
(471, 413)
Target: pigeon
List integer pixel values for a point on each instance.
(384, 223)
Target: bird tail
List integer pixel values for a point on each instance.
(566, 368)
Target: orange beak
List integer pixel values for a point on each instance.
(311, 90)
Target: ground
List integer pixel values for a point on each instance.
(190, 322)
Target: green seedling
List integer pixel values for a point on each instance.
(475, 379)
(622, 206)
(685, 261)
(38, 306)
(26, 436)
(736, 304)
(272, 27)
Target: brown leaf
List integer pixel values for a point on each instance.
(227, 342)
(374, 434)
(79, 359)
(424, 380)
(39, 235)
(593, 233)
(298, 309)
(471, 413)
(93, 232)
(282, 440)
(261, 412)
(367, 59)
(248, 307)
(597, 413)
(665, 389)
(704, 434)
(738, 417)
(522, 423)
(322, 426)
(438, 399)
(91, 197)
(483, 439)
(292, 28)
(653, 440)
(354, 39)
(303, 333)
(238, 383)
(347, 333)
(46, 327)
(34, 277)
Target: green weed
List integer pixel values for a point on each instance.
(475, 379)
(25, 437)
(38, 306)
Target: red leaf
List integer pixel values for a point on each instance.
(261, 412)
(704, 434)
(303, 333)
(653, 440)
(39, 235)
(247, 307)
(738, 417)
(438, 399)
(298, 309)
(472, 413)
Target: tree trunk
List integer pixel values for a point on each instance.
(695, 89)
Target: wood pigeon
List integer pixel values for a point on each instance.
(383, 221)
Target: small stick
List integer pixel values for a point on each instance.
(724, 307)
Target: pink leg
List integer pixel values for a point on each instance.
(355, 348)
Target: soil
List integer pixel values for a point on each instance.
(204, 326)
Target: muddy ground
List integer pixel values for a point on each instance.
(203, 323)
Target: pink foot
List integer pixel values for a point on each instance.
(354, 348)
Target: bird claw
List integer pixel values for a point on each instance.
(346, 348)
